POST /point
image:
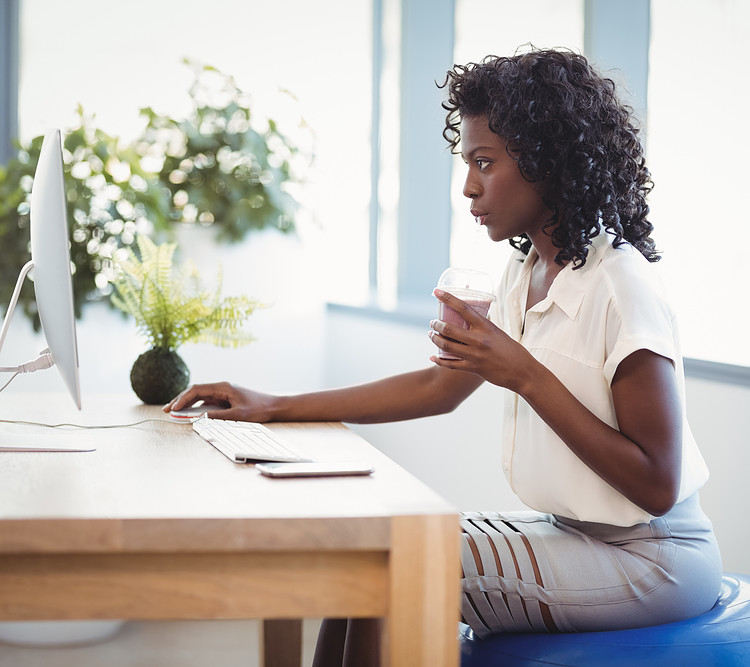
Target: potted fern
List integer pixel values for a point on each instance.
(171, 307)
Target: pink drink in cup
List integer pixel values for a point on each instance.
(471, 286)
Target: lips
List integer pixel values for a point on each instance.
(478, 216)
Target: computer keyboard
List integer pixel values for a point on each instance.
(244, 442)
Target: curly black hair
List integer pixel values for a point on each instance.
(570, 133)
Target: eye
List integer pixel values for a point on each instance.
(482, 163)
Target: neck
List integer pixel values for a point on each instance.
(545, 249)
(543, 271)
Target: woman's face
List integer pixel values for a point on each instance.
(502, 200)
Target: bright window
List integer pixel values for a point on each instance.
(116, 57)
(492, 27)
(698, 142)
(130, 56)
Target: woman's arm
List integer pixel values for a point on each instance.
(642, 460)
(420, 393)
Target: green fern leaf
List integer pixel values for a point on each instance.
(171, 306)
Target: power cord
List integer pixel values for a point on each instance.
(87, 426)
(12, 377)
(44, 360)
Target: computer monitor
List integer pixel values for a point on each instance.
(50, 261)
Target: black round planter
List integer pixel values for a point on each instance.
(159, 375)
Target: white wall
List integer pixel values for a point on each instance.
(719, 415)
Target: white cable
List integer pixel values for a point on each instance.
(12, 377)
(85, 426)
(44, 360)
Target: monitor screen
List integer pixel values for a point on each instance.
(50, 254)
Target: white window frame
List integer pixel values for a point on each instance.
(9, 50)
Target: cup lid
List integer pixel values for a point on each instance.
(467, 282)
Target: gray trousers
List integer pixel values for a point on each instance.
(533, 572)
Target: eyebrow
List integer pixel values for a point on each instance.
(478, 149)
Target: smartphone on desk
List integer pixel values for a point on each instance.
(315, 468)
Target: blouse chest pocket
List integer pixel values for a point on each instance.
(549, 333)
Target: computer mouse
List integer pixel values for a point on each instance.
(190, 414)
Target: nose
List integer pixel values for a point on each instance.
(471, 187)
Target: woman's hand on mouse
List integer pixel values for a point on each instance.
(484, 349)
(232, 402)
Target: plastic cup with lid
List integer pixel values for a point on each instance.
(471, 286)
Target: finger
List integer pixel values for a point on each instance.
(437, 339)
(191, 395)
(225, 413)
(447, 363)
(177, 402)
(450, 347)
(450, 332)
(464, 309)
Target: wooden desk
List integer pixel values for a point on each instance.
(156, 524)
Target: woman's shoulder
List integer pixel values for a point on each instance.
(635, 289)
(627, 270)
(619, 279)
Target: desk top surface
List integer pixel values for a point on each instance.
(159, 485)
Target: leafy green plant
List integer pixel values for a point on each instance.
(223, 166)
(171, 307)
(110, 199)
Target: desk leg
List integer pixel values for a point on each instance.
(422, 624)
(282, 643)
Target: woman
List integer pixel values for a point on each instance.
(595, 439)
